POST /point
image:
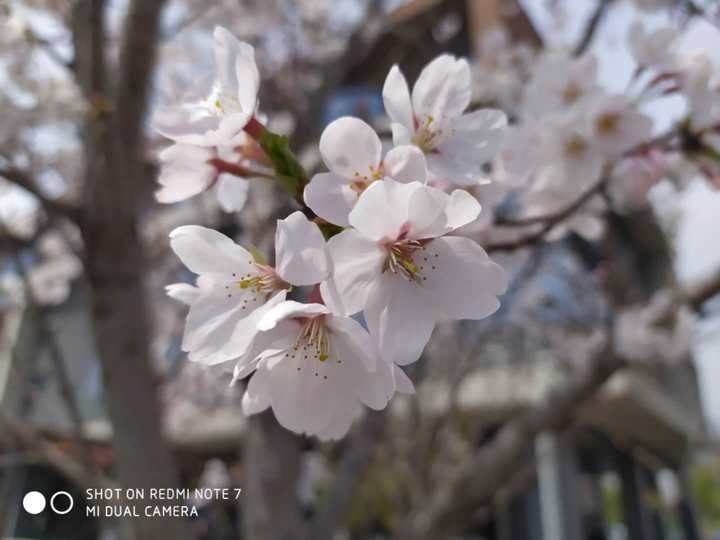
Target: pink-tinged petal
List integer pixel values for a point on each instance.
(357, 263)
(446, 168)
(230, 131)
(210, 324)
(266, 348)
(350, 148)
(257, 394)
(205, 250)
(232, 192)
(377, 388)
(247, 329)
(300, 254)
(300, 398)
(227, 49)
(396, 97)
(478, 136)
(401, 134)
(290, 310)
(403, 384)
(356, 339)
(340, 424)
(330, 197)
(382, 210)
(189, 123)
(462, 209)
(183, 292)
(426, 213)
(248, 78)
(406, 164)
(443, 89)
(460, 278)
(399, 318)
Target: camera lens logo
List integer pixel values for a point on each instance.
(61, 502)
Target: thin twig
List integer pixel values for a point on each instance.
(592, 26)
(54, 206)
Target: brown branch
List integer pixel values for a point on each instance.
(28, 439)
(57, 207)
(592, 26)
(551, 220)
(548, 221)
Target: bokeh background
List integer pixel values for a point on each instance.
(524, 426)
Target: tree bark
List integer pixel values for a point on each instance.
(271, 466)
(114, 252)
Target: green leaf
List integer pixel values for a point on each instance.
(329, 229)
(288, 170)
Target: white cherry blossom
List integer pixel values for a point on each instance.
(615, 125)
(559, 82)
(218, 116)
(236, 288)
(315, 369)
(653, 49)
(352, 151)
(433, 118)
(187, 170)
(398, 266)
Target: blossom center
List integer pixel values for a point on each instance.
(428, 134)
(261, 285)
(362, 181)
(571, 93)
(220, 103)
(313, 340)
(575, 147)
(401, 259)
(608, 123)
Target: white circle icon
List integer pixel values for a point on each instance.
(61, 511)
(34, 502)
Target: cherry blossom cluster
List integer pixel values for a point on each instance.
(574, 141)
(375, 241)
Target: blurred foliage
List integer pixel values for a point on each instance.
(705, 478)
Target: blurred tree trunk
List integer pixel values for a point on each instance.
(271, 467)
(114, 177)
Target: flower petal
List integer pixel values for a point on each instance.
(188, 123)
(350, 148)
(247, 328)
(257, 394)
(443, 89)
(403, 384)
(300, 254)
(399, 318)
(460, 278)
(232, 192)
(356, 339)
(396, 97)
(462, 209)
(330, 197)
(289, 310)
(227, 48)
(248, 78)
(205, 250)
(183, 292)
(406, 163)
(382, 209)
(357, 263)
